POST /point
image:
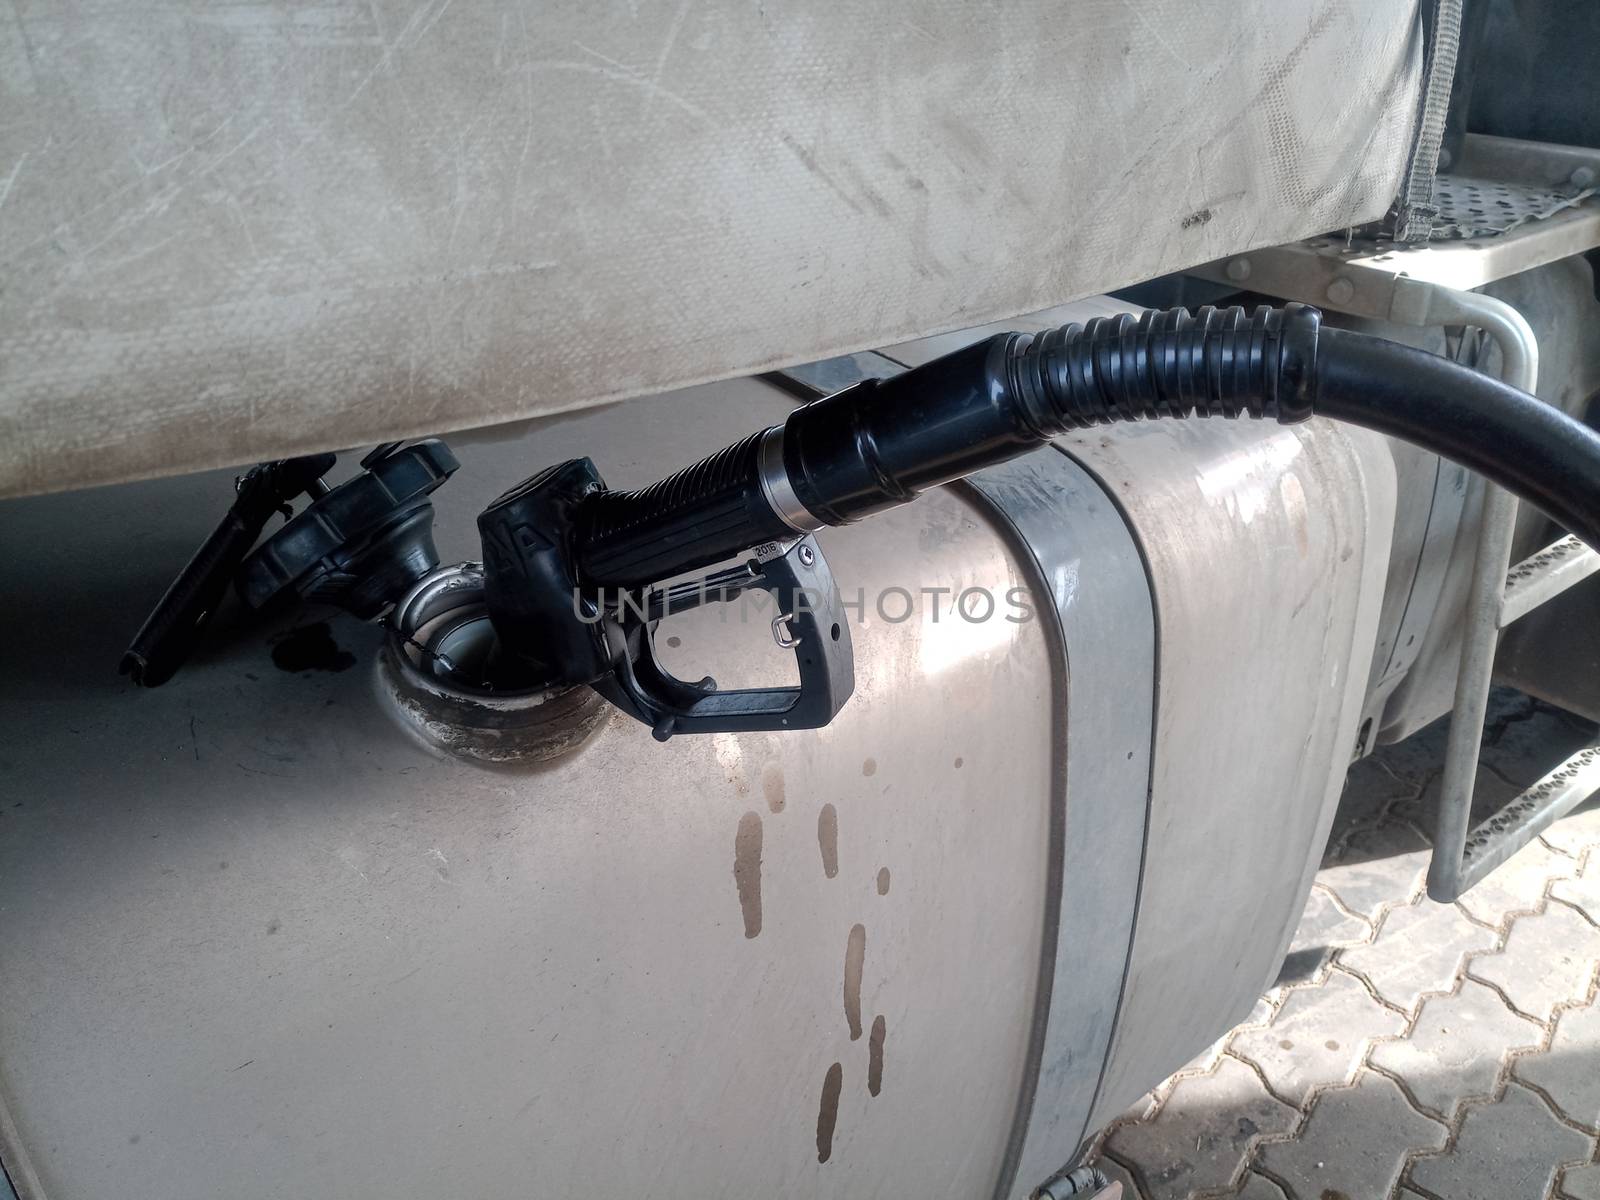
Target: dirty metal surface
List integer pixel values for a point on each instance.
(1408, 1049)
(234, 232)
(1267, 549)
(1103, 628)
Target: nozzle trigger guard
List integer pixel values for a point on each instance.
(809, 608)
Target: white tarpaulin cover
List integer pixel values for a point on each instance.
(231, 231)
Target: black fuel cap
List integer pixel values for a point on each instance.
(361, 545)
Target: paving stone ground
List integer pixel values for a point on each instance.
(1409, 1050)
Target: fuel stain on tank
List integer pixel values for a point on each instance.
(747, 871)
(828, 1113)
(855, 958)
(828, 839)
(880, 1030)
(883, 881)
(772, 785)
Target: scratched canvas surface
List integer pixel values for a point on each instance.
(229, 231)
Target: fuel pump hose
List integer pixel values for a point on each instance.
(880, 443)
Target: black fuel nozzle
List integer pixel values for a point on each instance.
(557, 544)
(541, 615)
(569, 623)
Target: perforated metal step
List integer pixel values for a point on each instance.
(1498, 837)
(1543, 576)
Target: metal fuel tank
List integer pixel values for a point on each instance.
(257, 938)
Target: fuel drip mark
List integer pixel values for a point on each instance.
(828, 839)
(747, 871)
(828, 1113)
(855, 957)
(772, 786)
(883, 881)
(880, 1030)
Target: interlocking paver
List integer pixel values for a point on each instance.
(1457, 1048)
(1355, 1142)
(1548, 960)
(1370, 788)
(1259, 1187)
(1524, 738)
(1582, 1183)
(1583, 890)
(1516, 886)
(1418, 949)
(1145, 1106)
(1511, 1148)
(1201, 1064)
(1200, 1128)
(1577, 831)
(1489, 792)
(1568, 1071)
(1377, 869)
(1417, 759)
(1318, 1037)
(1206, 1061)
(1261, 1014)
(1324, 927)
(1203, 1133)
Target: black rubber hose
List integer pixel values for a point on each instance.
(881, 443)
(1526, 446)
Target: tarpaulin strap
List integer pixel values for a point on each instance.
(1414, 207)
